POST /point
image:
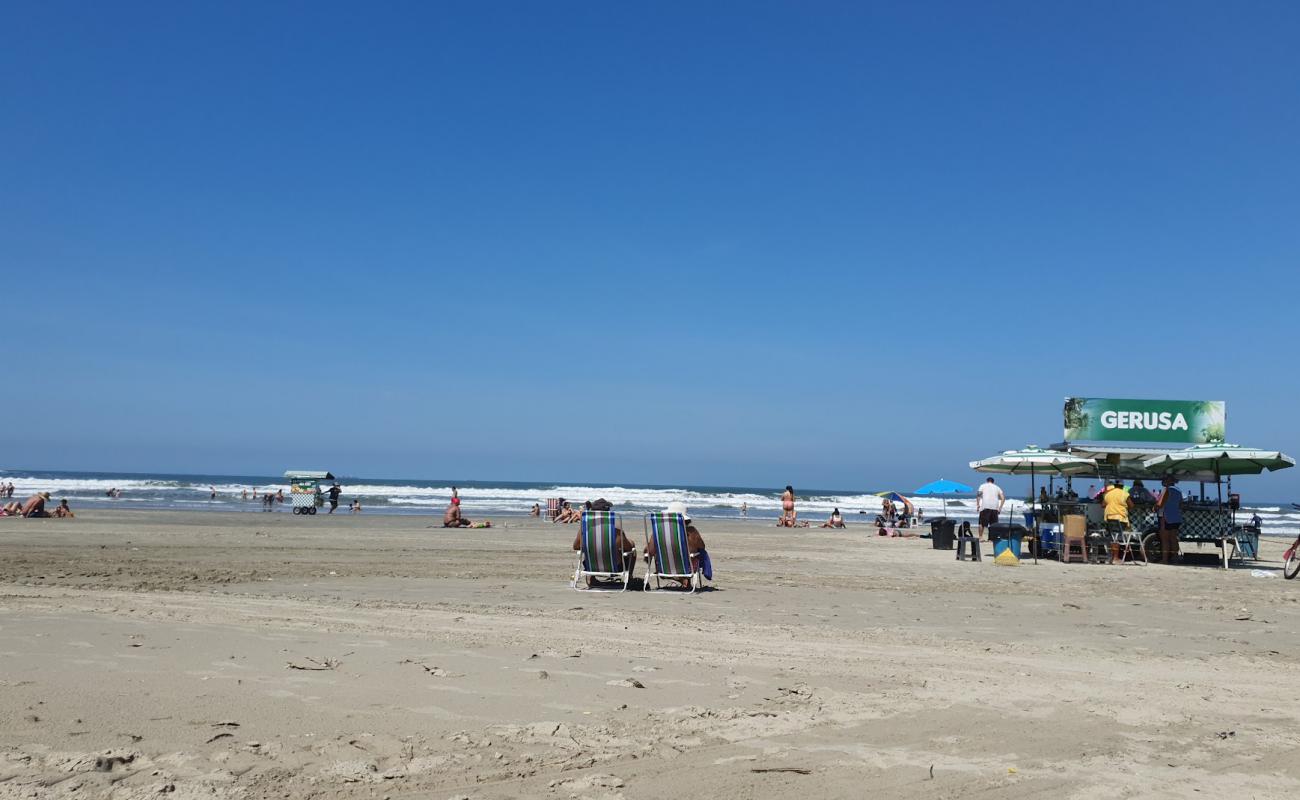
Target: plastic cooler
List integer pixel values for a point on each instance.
(1050, 541)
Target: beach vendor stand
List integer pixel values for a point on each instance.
(1217, 460)
(1034, 462)
(304, 489)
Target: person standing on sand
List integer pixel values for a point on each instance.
(334, 493)
(1169, 508)
(788, 515)
(989, 500)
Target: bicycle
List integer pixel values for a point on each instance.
(1291, 559)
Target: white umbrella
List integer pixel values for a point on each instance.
(1034, 461)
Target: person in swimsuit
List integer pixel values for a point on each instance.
(35, 505)
(788, 515)
(834, 521)
(452, 518)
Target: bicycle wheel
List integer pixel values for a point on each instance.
(1291, 567)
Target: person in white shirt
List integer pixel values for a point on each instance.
(988, 501)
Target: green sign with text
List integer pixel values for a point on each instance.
(1103, 419)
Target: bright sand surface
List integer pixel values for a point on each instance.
(439, 664)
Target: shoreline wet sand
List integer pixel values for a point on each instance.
(254, 656)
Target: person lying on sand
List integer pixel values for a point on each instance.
(63, 512)
(835, 520)
(14, 509)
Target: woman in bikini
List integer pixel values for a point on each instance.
(788, 515)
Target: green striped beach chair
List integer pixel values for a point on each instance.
(672, 558)
(600, 556)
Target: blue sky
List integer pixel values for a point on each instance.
(833, 244)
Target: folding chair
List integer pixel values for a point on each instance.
(600, 556)
(1126, 537)
(672, 556)
(552, 509)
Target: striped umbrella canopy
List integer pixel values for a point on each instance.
(1035, 461)
(1219, 459)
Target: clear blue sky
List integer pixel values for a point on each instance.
(835, 244)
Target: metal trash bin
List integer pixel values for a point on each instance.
(943, 533)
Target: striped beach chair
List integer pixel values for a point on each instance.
(553, 508)
(600, 557)
(672, 558)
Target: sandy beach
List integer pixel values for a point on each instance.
(230, 655)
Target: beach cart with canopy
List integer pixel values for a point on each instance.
(1206, 520)
(304, 489)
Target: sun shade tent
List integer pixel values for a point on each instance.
(1034, 461)
(944, 486)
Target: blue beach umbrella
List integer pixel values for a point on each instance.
(944, 486)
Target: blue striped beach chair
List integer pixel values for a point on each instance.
(672, 558)
(600, 556)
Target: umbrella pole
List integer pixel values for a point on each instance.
(1033, 504)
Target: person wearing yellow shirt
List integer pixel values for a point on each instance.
(1116, 502)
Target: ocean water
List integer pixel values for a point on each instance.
(503, 498)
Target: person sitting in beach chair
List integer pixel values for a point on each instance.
(835, 520)
(674, 549)
(604, 553)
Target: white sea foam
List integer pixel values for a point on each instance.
(429, 498)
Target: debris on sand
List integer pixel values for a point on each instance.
(324, 664)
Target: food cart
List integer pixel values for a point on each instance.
(304, 489)
(1206, 520)
(1108, 439)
